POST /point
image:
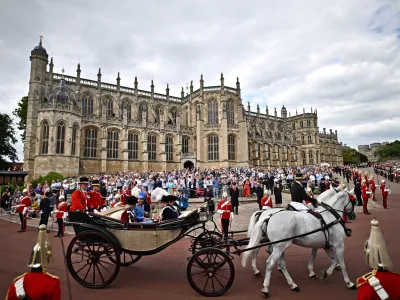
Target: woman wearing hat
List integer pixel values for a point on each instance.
(380, 283)
(140, 208)
(80, 197)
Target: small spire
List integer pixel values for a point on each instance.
(118, 78)
(167, 87)
(99, 74)
(187, 89)
(201, 77)
(41, 38)
(152, 83)
(62, 72)
(222, 75)
(79, 68)
(237, 80)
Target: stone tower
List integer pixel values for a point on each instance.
(283, 112)
(37, 82)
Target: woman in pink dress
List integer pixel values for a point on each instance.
(246, 188)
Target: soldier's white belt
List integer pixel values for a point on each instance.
(375, 283)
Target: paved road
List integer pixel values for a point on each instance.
(163, 275)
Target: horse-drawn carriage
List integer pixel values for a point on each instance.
(103, 244)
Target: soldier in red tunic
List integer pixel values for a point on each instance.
(225, 209)
(23, 209)
(37, 284)
(380, 283)
(80, 197)
(60, 215)
(385, 192)
(95, 200)
(373, 186)
(266, 201)
(365, 195)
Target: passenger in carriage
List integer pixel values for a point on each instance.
(97, 200)
(128, 215)
(116, 201)
(140, 210)
(168, 212)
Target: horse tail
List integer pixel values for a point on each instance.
(253, 221)
(255, 238)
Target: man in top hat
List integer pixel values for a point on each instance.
(168, 212)
(23, 209)
(385, 192)
(225, 209)
(96, 199)
(61, 214)
(128, 215)
(298, 195)
(37, 284)
(234, 193)
(80, 197)
(380, 283)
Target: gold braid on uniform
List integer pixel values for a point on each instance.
(365, 278)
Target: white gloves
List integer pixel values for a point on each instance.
(232, 215)
(95, 211)
(104, 209)
(220, 211)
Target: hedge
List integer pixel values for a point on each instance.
(49, 178)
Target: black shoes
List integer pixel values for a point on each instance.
(21, 230)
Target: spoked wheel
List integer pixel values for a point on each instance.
(127, 259)
(210, 272)
(207, 239)
(89, 259)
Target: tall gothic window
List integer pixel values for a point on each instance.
(169, 147)
(60, 138)
(230, 113)
(112, 144)
(90, 148)
(231, 147)
(294, 125)
(133, 146)
(110, 108)
(303, 156)
(175, 114)
(129, 111)
(213, 147)
(73, 139)
(152, 146)
(87, 105)
(157, 113)
(302, 139)
(185, 144)
(309, 139)
(308, 123)
(213, 112)
(45, 137)
(310, 158)
(301, 124)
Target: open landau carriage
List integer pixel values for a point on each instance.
(103, 244)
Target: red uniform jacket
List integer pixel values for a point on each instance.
(364, 191)
(372, 183)
(62, 207)
(388, 280)
(24, 202)
(95, 200)
(366, 180)
(226, 206)
(266, 201)
(38, 286)
(383, 187)
(79, 201)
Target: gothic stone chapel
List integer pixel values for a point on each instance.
(78, 126)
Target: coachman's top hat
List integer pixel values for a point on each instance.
(83, 180)
(95, 182)
(130, 202)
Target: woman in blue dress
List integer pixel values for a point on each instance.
(139, 210)
(183, 201)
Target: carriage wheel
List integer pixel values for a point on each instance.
(210, 272)
(88, 259)
(206, 239)
(126, 259)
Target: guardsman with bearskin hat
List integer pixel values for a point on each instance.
(61, 214)
(23, 209)
(37, 284)
(380, 283)
(81, 198)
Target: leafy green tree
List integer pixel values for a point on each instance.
(21, 113)
(352, 156)
(7, 141)
(391, 150)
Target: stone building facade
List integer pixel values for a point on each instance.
(370, 150)
(79, 126)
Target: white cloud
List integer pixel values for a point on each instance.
(341, 57)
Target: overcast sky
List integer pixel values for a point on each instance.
(341, 57)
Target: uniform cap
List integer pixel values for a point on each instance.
(25, 191)
(375, 249)
(61, 197)
(41, 253)
(225, 195)
(383, 181)
(130, 202)
(95, 182)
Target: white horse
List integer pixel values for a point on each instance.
(287, 224)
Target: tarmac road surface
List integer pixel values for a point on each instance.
(163, 275)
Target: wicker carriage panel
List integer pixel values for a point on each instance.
(145, 240)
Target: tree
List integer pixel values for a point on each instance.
(352, 156)
(21, 113)
(391, 150)
(7, 141)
